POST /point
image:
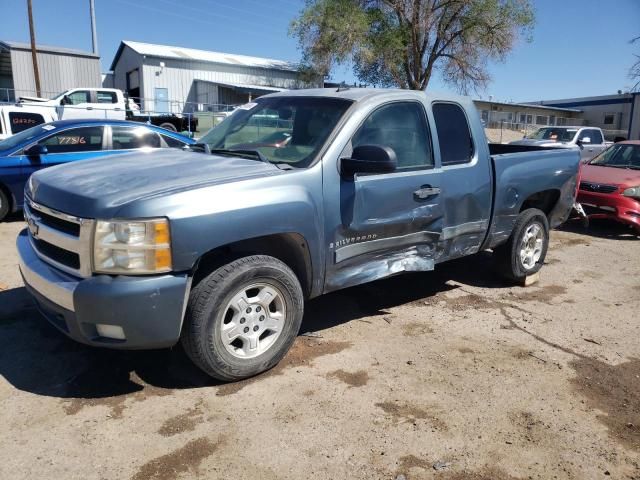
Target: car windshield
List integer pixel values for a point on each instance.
(288, 130)
(620, 155)
(24, 136)
(554, 134)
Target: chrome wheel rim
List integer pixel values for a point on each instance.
(531, 246)
(253, 320)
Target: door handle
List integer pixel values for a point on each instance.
(89, 108)
(426, 192)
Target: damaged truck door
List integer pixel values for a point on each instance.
(392, 205)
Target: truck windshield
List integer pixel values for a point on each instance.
(619, 156)
(288, 130)
(554, 134)
(22, 137)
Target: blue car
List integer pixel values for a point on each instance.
(68, 141)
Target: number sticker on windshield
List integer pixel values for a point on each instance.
(75, 140)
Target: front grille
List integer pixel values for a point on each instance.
(57, 254)
(597, 187)
(60, 239)
(60, 224)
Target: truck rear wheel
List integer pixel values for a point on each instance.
(242, 319)
(524, 252)
(168, 126)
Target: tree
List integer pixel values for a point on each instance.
(402, 43)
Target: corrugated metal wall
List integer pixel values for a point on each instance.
(179, 77)
(129, 60)
(58, 72)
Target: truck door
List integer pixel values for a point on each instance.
(109, 106)
(382, 224)
(77, 104)
(466, 179)
(592, 143)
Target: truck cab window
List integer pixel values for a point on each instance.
(454, 135)
(78, 97)
(106, 97)
(127, 138)
(85, 139)
(596, 137)
(401, 126)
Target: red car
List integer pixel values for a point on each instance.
(610, 184)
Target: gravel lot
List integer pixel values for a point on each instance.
(448, 375)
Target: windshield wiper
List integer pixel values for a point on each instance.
(241, 152)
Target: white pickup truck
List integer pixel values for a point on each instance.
(84, 103)
(589, 140)
(16, 118)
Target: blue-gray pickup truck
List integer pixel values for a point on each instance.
(299, 193)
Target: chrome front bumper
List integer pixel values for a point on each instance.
(48, 281)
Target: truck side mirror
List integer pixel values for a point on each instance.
(65, 100)
(369, 159)
(35, 151)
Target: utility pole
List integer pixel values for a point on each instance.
(94, 35)
(34, 56)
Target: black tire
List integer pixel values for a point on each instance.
(206, 314)
(507, 255)
(5, 206)
(169, 126)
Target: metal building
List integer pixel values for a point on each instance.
(618, 115)
(177, 79)
(60, 69)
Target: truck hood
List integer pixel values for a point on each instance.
(99, 187)
(540, 143)
(621, 177)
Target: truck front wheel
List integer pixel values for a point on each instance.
(524, 252)
(242, 319)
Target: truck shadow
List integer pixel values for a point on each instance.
(36, 358)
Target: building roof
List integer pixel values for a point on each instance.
(530, 105)
(591, 101)
(181, 53)
(46, 48)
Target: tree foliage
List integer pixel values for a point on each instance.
(403, 42)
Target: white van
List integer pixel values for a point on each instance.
(16, 118)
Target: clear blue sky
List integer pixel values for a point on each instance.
(579, 47)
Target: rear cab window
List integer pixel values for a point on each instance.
(453, 133)
(20, 121)
(106, 97)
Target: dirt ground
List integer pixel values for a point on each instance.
(448, 375)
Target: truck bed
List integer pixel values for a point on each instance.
(520, 171)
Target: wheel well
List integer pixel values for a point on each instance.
(544, 201)
(290, 248)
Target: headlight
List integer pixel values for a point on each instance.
(132, 247)
(632, 192)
